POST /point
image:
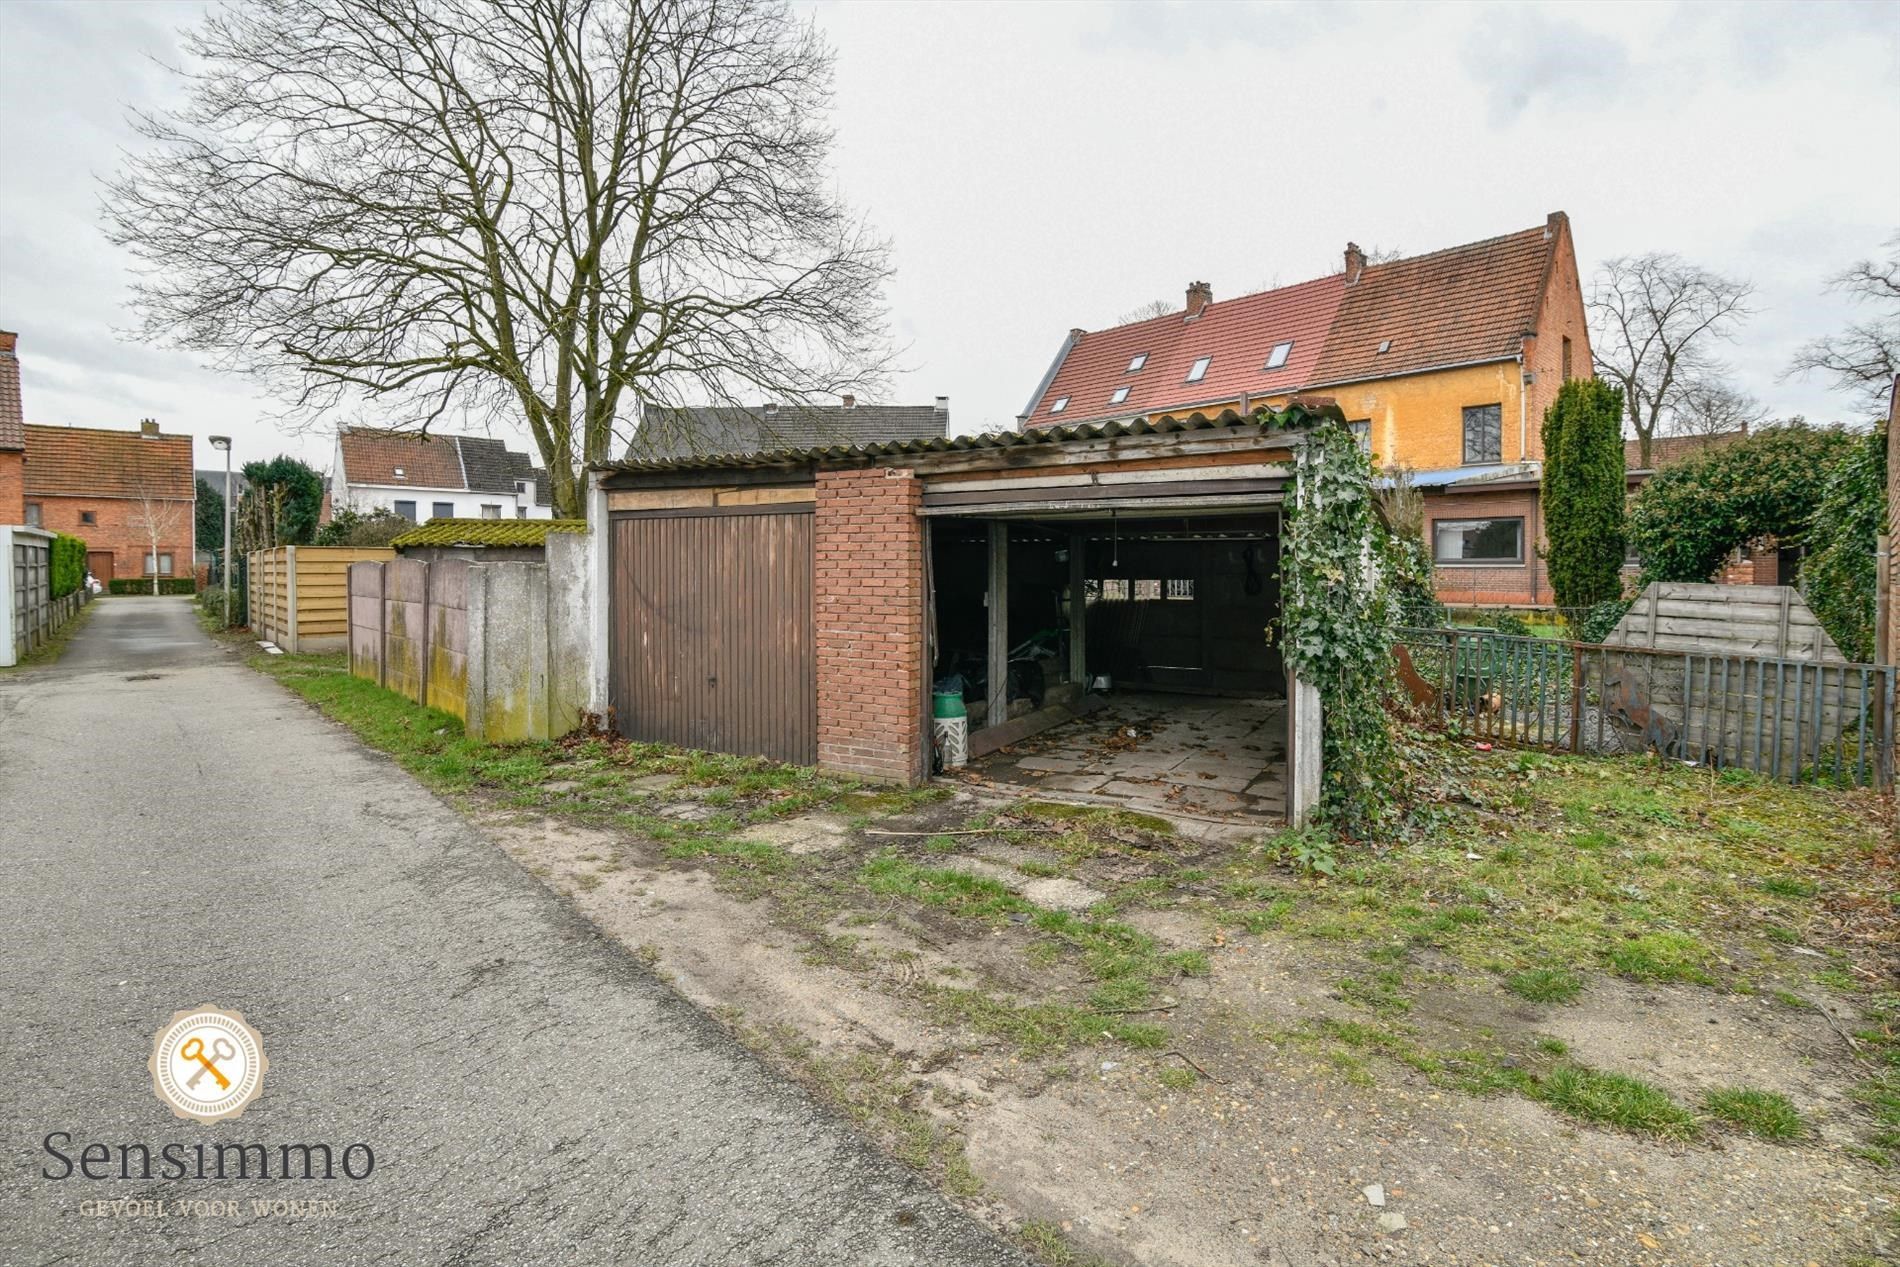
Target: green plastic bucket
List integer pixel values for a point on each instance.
(947, 704)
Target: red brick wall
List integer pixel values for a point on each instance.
(1758, 563)
(1525, 584)
(12, 487)
(1561, 316)
(120, 529)
(870, 601)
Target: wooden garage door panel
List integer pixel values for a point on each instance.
(714, 643)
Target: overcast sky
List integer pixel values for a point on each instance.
(1042, 166)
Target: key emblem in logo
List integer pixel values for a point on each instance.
(207, 1063)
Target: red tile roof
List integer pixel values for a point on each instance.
(12, 425)
(1668, 450)
(1467, 304)
(1237, 333)
(373, 456)
(88, 462)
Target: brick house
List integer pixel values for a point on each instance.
(115, 489)
(1443, 362)
(12, 435)
(424, 477)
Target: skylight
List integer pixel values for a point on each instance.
(1121, 394)
(1140, 359)
(1199, 371)
(1062, 403)
(1277, 357)
(1385, 345)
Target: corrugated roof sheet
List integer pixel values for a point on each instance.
(1295, 417)
(89, 462)
(699, 431)
(1238, 334)
(486, 532)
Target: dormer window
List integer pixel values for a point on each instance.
(1140, 359)
(1062, 403)
(1277, 357)
(1120, 394)
(1199, 371)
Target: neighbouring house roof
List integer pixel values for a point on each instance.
(12, 422)
(1238, 334)
(1293, 418)
(89, 462)
(698, 431)
(1668, 450)
(486, 532)
(215, 478)
(476, 464)
(1464, 305)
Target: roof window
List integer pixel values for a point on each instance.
(1137, 361)
(1062, 403)
(1121, 394)
(1277, 357)
(1385, 345)
(1199, 371)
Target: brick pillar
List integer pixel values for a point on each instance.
(870, 604)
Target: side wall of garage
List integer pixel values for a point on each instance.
(870, 608)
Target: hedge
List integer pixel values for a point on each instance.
(143, 585)
(69, 564)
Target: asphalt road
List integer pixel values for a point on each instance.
(532, 1094)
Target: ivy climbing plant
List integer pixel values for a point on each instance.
(1337, 625)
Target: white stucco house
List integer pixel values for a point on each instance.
(436, 476)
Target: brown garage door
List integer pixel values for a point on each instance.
(712, 635)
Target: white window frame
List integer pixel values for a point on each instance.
(491, 510)
(1198, 370)
(1135, 363)
(158, 564)
(1061, 403)
(1277, 357)
(1118, 396)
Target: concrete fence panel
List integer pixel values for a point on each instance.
(366, 621)
(26, 581)
(446, 658)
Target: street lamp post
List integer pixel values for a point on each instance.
(223, 444)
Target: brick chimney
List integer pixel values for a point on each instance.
(1355, 262)
(943, 404)
(12, 425)
(1199, 295)
(850, 401)
(148, 427)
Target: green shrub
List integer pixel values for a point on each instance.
(143, 585)
(1599, 621)
(1837, 578)
(1583, 491)
(68, 564)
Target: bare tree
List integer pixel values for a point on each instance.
(1653, 322)
(1706, 406)
(530, 211)
(160, 512)
(1147, 312)
(1862, 359)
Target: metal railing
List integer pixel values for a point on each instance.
(1797, 720)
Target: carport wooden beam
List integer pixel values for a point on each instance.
(998, 693)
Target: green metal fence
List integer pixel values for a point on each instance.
(1784, 719)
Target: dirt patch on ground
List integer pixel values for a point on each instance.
(1161, 1051)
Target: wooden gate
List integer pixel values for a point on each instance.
(713, 641)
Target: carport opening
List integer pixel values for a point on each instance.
(1161, 689)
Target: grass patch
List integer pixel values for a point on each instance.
(1175, 1078)
(1615, 1099)
(1662, 957)
(1545, 985)
(1764, 1113)
(1038, 1029)
(1789, 886)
